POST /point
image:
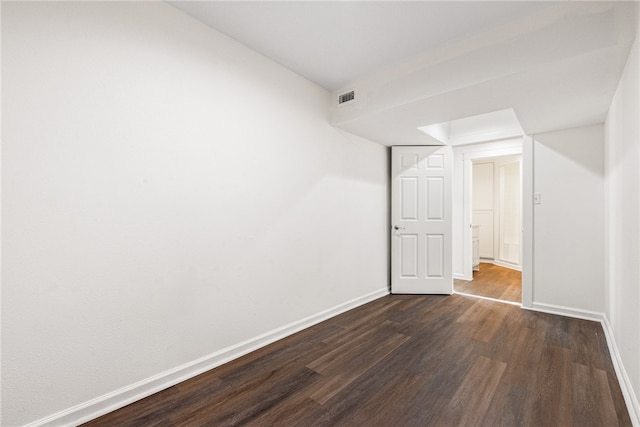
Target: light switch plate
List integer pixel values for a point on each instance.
(537, 198)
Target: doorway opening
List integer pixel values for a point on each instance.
(496, 203)
(495, 194)
(491, 220)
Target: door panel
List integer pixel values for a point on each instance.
(435, 255)
(409, 256)
(422, 220)
(409, 198)
(435, 199)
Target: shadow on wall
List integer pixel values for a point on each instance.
(590, 157)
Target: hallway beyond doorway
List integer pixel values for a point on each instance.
(493, 281)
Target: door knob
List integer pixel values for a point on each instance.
(397, 227)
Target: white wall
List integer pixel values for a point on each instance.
(622, 180)
(168, 193)
(569, 222)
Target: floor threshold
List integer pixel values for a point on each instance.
(517, 304)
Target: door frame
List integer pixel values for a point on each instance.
(526, 150)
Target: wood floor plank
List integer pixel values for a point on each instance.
(524, 358)
(508, 407)
(469, 404)
(376, 403)
(353, 365)
(289, 413)
(492, 322)
(553, 395)
(354, 345)
(443, 379)
(583, 334)
(510, 330)
(406, 360)
(592, 402)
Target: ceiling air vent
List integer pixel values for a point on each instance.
(346, 97)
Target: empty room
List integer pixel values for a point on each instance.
(320, 213)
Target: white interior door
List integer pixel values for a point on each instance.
(421, 215)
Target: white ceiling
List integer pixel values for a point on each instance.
(333, 43)
(420, 63)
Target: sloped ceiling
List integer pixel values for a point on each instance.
(415, 64)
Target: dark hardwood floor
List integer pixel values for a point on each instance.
(407, 360)
(493, 281)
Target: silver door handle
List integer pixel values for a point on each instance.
(397, 227)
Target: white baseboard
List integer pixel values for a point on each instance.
(567, 311)
(501, 263)
(630, 398)
(119, 398)
(507, 265)
(462, 277)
